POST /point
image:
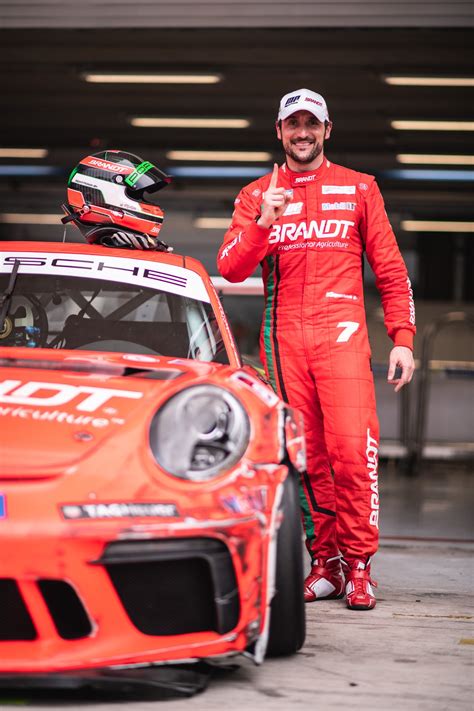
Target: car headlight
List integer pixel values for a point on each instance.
(199, 433)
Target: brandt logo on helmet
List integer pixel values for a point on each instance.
(292, 100)
(105, 165)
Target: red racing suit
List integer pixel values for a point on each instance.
(314, 343)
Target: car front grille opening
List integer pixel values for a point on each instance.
(15, 620)
(174, 586)
(166, 597)
(67, 611)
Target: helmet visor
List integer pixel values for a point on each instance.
(145, 178)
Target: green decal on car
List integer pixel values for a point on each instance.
(139, 170)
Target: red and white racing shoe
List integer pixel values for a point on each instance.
(325, 581)
(359, 585)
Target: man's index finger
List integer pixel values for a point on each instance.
(274, 178)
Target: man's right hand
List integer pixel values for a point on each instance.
(275, 201)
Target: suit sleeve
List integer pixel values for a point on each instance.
(391, 276)
(245, 243)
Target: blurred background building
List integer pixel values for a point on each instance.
(194, 88)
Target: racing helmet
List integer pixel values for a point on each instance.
(109, 192)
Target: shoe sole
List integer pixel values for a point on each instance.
(360, 607)
(328, 597)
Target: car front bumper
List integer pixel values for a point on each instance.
(101, 595)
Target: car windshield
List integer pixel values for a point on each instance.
(64, 311)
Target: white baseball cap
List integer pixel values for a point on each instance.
(303, 100)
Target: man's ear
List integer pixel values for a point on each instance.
(278, 129)
(328, 130)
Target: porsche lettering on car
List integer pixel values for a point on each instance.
(148, 478)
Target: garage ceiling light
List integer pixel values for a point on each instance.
(152, 78)
(436, 226)
(150, 122)
(436, 159)
(433, 125)
(23, 152)
(442, 175)
(212, 223)
(205, 172)
(20, 218)
(214, 156)
(429, 81)
(22, 170)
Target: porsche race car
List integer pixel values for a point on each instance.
(148, 479)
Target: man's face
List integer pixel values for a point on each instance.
(303, 136)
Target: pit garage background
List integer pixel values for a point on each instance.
(194, 87)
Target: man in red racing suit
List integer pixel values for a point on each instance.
(308, 224)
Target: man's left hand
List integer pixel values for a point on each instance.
(402, 357)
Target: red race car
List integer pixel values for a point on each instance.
(148, 480)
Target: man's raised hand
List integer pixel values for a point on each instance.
(275, 201)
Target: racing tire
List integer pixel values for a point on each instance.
(287, 612)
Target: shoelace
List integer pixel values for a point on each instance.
(359, 579)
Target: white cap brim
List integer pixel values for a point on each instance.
(319, 113)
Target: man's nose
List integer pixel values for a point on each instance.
(302, 132)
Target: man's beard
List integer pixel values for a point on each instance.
(311, 156)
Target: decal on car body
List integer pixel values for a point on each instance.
(154, 275)
(119, 509)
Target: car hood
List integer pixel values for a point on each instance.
(57, 408)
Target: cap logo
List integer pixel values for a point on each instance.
(313, 101)
(292, 100)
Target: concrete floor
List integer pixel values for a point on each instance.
(413, 652)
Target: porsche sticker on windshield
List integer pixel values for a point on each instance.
(119, 509)
(154, 275)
